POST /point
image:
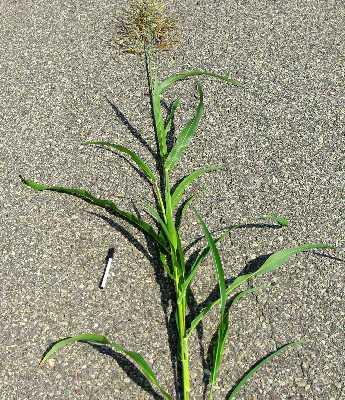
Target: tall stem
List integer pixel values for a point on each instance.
(181, 326)
(162, 192)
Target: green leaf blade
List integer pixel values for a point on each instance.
(232, 395)
(280, 257)
(270, 265)
(275, 261)
(84, 337)
(143, 366)
(186, 135)
(168, 82)
(108, 205)
(143, 167)
(223, 326)
(91, 338)
(187, 181)
(170, 223)
(159, 125)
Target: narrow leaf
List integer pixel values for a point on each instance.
(138, 359)
(144, 367)
(159, 122)
(198, 261)
(268, 266)
(232, 395)
(188, 180)
(217, 262)
(279, 219)
(108, 205)
(275, 260)
(144, 168)
(186, 135)
(223, 319)
(166, 84)
(169, 214)
(84, 337)
(280, 257)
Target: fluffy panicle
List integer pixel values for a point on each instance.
(145, 23)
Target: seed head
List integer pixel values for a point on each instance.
(145, 23)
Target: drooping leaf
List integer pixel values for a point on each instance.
(275, 260)
(60, 344)
(143, 366)
(188, 180)
(108, 205)
(279, 219)
(166, 83)
(143, 167)
(186, 135)
(280, 257)
(232, 395)
(90, 338)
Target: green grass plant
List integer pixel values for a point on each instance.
(147, 31)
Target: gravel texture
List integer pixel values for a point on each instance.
(282, 138)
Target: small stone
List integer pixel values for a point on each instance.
(51, 363)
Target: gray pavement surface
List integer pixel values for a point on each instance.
(282, 138)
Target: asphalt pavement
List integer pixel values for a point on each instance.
(281, 138)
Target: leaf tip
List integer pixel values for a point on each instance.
(88, 142)
(32, 184)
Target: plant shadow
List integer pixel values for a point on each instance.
(207, 357)
(134, 131)
(234, 227)
(168, 304)
(130, 370)
(166, 290)
(168, 301)
(127, 366)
